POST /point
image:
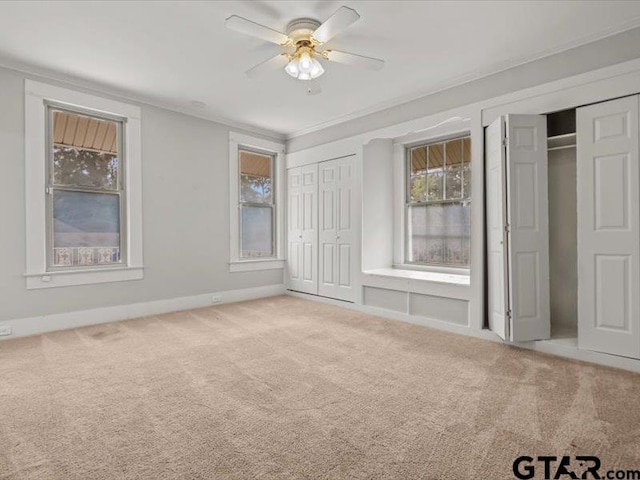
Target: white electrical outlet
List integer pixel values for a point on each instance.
(4, 331)
(216, 299)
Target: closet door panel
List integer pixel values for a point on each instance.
(609, 227)
(328, 211)
(302, 231)
(344, 228)
(328, 263)
(496, 236)
(327, 234)
(308, 263)
(293, 261)
(336, 232)
(293, 226)
(344, 264)
(528, 227)
(517, 228)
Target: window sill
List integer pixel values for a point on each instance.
(254, 265)
(432, 269)
(68, 278)
(437, 277)
(437, 284)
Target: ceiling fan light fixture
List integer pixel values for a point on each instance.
(304, 62)
(303, 66)
(317, 69)
(306, 36)
(292, 68)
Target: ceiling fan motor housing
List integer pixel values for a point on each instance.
(301, 29)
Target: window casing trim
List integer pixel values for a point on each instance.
(38, 97)
(401, 182)
(237, 263)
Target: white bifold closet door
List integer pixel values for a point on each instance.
(518, 227)
(336, 231)
(302, 229)
(608, 227)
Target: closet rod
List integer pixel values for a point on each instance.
(562, 147)
(559, 142)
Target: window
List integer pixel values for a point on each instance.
(83, 182)
(438, 203)
(256, 170)
(257, 208)
(85, 190)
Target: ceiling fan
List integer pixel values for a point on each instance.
(303, 44)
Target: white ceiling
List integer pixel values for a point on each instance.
(175, 53)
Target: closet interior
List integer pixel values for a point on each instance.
(563, 208)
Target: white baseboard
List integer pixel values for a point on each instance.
(544, 346)
(23, 327)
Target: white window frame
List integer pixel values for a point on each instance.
(401, 146)
(236, 263)
(37, 97)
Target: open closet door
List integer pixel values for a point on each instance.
(496, 234)
(609, 227)
(528, 227)
(518, 228)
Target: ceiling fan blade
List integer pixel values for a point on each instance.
(336, 23)
(243, 25)
(313, 88)
(353, 59)
(274, 63)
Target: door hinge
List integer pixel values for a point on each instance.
(505, 141)
(509, 314)
(48, 190)
(507, 228)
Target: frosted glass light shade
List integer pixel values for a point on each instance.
(304, 62)
(304, 67)
(317, 69)
(292, 68)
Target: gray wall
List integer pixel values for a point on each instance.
(377, 204)
(591, 56)
(185, 208)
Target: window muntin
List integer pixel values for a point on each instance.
(85, 186)
(257, 210)
(438, 203)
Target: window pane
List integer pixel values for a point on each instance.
(256, 173)
(418, 185)
(256, 232)
(454, 182)
(435, 172)
(466, 180)
(417, 179)
(436, 157)
(440, 234)
(435, 186)
(438, 231)
(86, 228)
(85, 151)
(453, 175)
(466, 168)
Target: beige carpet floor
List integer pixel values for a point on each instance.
(288, 388)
